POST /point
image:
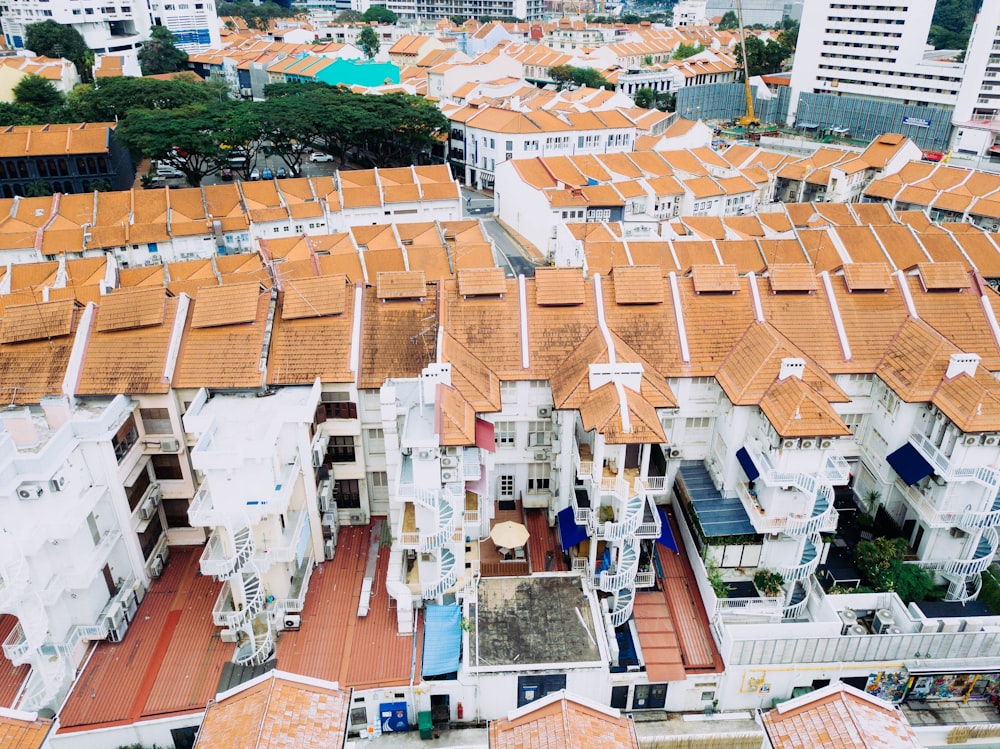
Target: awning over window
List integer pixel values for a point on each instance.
(666, 535)
(570, 534)
(485, 436)
(909, 464)
(747, 462)
(442, 639)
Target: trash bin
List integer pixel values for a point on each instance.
(425, 724)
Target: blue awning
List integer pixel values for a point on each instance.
(666, 535)
(570, 534)
(442, 639)
(747, 462)
(909, 464)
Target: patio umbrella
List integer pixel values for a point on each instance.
(509, 534)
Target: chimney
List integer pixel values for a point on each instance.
(962, 364)
(57, 411)
(791, 367)
(20, 426)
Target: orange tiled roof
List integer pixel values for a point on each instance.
(561, 721)
(24, 733)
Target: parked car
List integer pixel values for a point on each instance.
(317, 157)
(255, 174)
(167, 171)
(267, 173)
(226, 174)
(280, 172)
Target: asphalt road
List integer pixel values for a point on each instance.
(512, 254)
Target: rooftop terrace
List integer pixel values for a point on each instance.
(11, 678)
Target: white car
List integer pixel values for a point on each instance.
(317, 157)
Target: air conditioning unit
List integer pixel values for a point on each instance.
(449, 461)
(117, 633)
(971, 440)
(329, 549)
(542, 455)
(789, 443)
(990, 439)
(544, 412)
(317, 458)
(30, 491)
(674, 452)
(425, 454)
(357, 518)
(323, 494)
(826, 444)
(882, 620)
(229, 635)
(449, 476)
(170, 445)
(146, 511)
(807, 444)
(156, 567)
(58, 482)
(958, 533)
(291, 622)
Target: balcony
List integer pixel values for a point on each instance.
(651, 526)
(982, 475)
(217, 562)
(283, 548)
(628, 515)
(80, 574)
(807, 565)
(836, 470)
(654, 485)
(16, 647)
(447, 576)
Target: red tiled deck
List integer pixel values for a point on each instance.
(672, 624)
(11, 678)
(337, 645)
(169, 662)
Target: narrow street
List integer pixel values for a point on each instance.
(514, 256)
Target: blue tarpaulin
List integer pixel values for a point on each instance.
(909, 464)
(570, 534)
(442, 639)
(747, 462)
(666, 535)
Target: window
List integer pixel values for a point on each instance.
(125, 438)
(376, 440)
(701, 422)
(853, 422)
(340, 450)
(506, 485)
(539, 433)
(650, 696)
(176, 511)
(888, 400)
(135, 492)
(338, 407)
(347, 494)
(378, 485)
(534, 687)
(151, 536)
(167, 467)
(510, 145)
(538, 478)
(155, 420)
(505, 433)
(508, 392)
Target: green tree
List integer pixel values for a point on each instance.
(257, 17)
(113, 98)
(644, 97)
(159, 53)
(37, 189)
(789, 34)
(881, 564)
(187, 138)
(379, 14)
(729, 21)
(239, 125)
(55, 40)
(348, 16)
(35, 91)
(684, 51)
(368, 41)
(762, 58)
(289, 125)
(951, 24)
(564, 75)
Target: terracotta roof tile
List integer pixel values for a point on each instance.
(22, 733)
(638, 285)
(709, 278)
(915, 361)
(401, 285)
(867, 276)
(559, 286)
(226, 305)
(132, 309)
(399, 339)
(943, 276)
(32, 322)
(796, 410)
(454, 417)
(481, 282)
(314, 340)
(792, 277)
(314, 297)
(563, 724)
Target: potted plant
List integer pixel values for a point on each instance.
(769, 583)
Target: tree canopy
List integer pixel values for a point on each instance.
(379, 14)
(684, 51)
(51, 39)
(951, 24)
(348, 16)
(35, 91)
(159, 53)
(368, 41)
(113, 98)
(881, 563)
(762, 58)
(257, 17)
(565, 75)
(729, 21)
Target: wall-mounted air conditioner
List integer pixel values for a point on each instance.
(449, 461)
(291, 622)
(674, 452)
(229, 635)
(826, 444)
(789, 443)
(541, 455)
(544, 412)
(30, 491)
(807, 444)
(156, 567)
(972, 440)
(990, 439)
(426, 454)
(58, 482)
(170, 445)
(449, 476)
(357, 518)
(329, 549)
(317, 458)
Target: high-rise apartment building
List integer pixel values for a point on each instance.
(977, 110)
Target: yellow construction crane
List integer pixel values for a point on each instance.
(748, 119)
